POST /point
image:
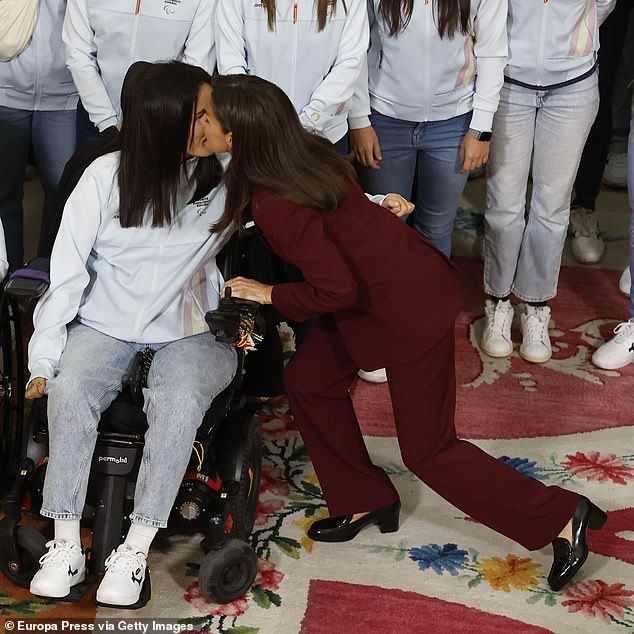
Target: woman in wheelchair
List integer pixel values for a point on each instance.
(133, 267)
(387, 298)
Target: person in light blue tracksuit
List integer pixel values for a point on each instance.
(435, 70)
(314, 51)
(37, 108)
(547, 106)
(103, 39)
(619, 350)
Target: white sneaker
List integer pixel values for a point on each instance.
(615, 172)
(62, 567)
(625, 282)
(585, 239)
(125, 574)
(498, 317)
(619, 351)
(536, 342)
(374, 376)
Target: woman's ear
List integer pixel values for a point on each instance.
(229, 138)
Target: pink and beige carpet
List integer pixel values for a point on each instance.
(564, 422)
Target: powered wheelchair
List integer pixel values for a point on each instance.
(218, 496)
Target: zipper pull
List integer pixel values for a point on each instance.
(295, 13)
(138, 6)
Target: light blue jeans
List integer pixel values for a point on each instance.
(421, 162)
(630, 188)
(184, 378)
(523, 251)
(52, 135)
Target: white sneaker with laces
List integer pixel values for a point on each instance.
(373, 376)
(625, 282)
(536, 342)
(498, 318)
(619, 351)
(62, 567)
(615, 172)
(585, 239)
(125, 574)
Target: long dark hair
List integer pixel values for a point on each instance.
(323, 8)
(158, 103)
(272, 151)
(453, 15)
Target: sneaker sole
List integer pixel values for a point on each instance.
(79, 580)
(535, 359)
(612, 367)
(496, 355)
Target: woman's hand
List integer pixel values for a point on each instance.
(36, 388)
(249, 289)
(397, 205)
(365, 146)
(473, 153)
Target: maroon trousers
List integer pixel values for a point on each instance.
(423, 390)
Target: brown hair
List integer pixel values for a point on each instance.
(323, 8)
(272, 151)
(158, 108)
(453, 15)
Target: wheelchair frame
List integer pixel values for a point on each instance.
(227, 504)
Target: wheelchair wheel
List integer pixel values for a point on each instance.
(227, 574)
(244, 505)
(32, 545)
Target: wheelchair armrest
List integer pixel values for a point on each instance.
(29, 282)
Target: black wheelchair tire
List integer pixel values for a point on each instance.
(244, 505)
(32, 545)
(226, 574)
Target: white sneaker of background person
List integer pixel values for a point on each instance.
(615, 172)
(535, 340)
(496, 338)
(618, 351)
(373, 376)
(625, 281)
(62, 567)
(585, 240)
(125, 574)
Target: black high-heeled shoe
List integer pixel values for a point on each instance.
(569, 557)
(343, 529)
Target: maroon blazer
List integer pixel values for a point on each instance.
(392, 294)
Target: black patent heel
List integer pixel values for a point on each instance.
(597, 518)
(389, 523)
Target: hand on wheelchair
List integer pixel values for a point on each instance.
(36, 388)
(236, 320)
(244, 288)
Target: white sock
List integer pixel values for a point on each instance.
(140, 537)
(68, 529)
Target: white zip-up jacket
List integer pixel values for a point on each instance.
(139, 284)
(103, 39)
(554, 41)
(37, 78)
(318, 70)
(419, 76)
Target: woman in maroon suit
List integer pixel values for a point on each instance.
(386, 298)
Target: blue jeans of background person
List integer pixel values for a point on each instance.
(523, 253)
(630, 188)
(421, 162)
(184, 378)
(86, 129)
(52, 135)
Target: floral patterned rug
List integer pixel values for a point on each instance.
(564, 423)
